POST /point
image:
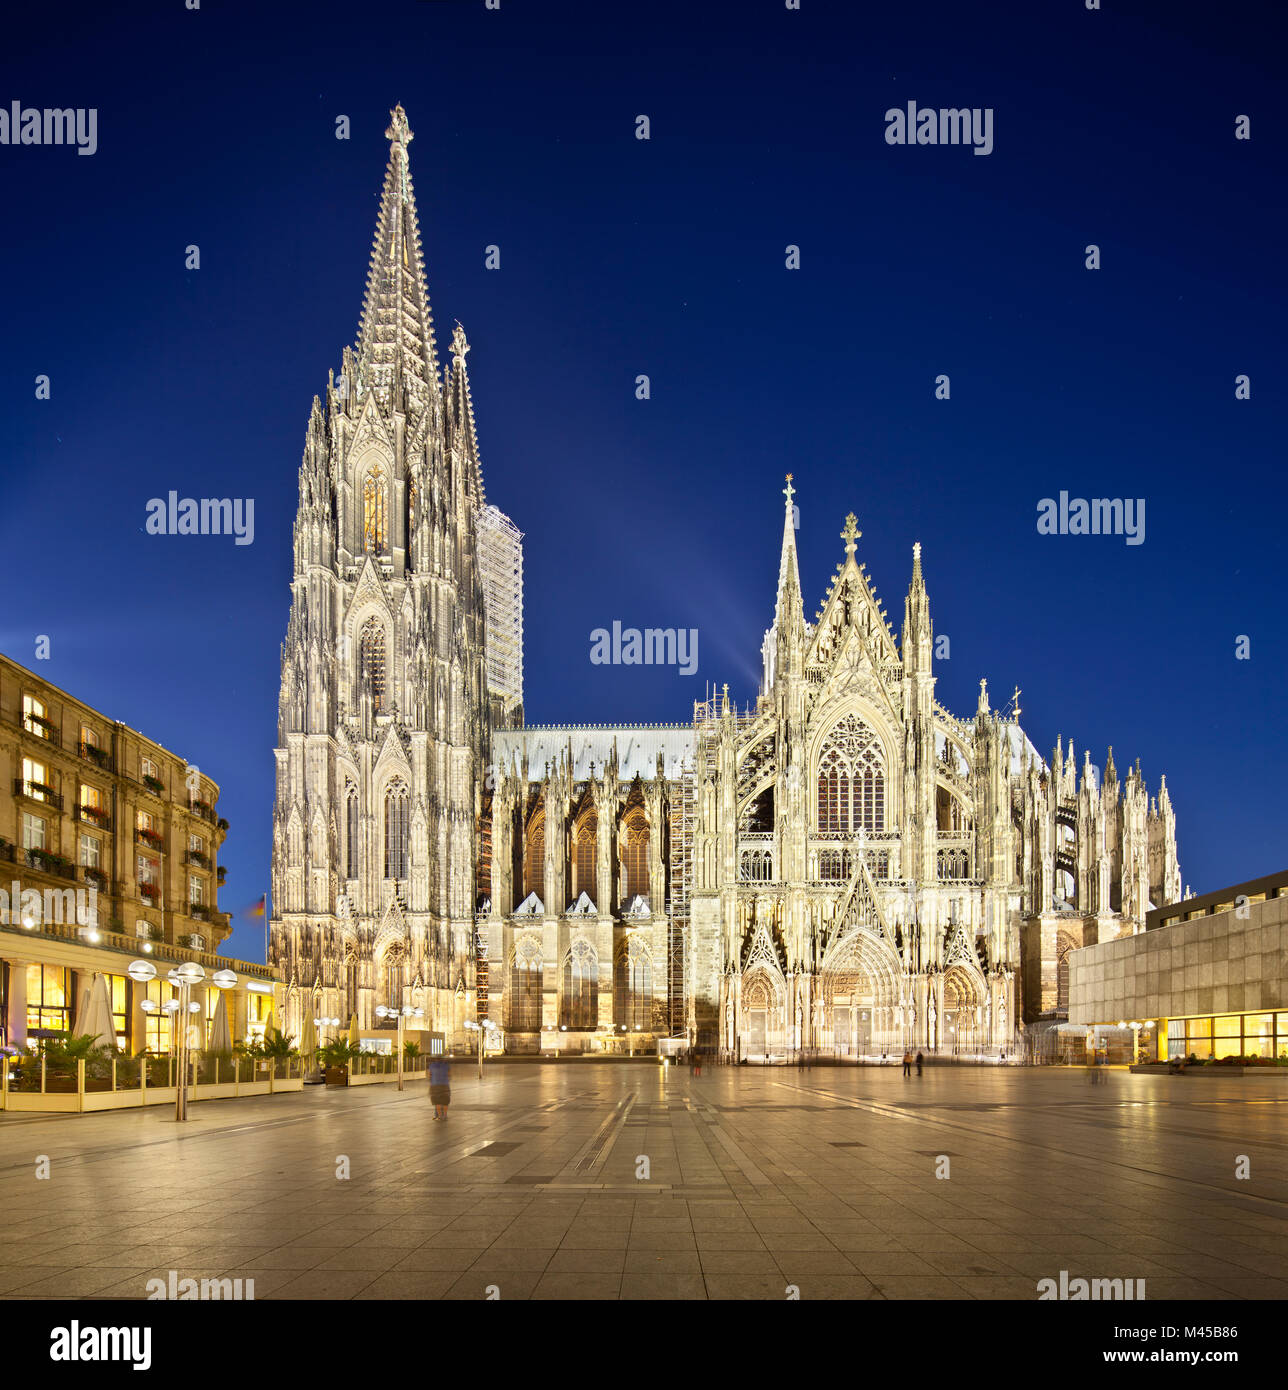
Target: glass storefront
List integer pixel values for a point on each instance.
(1255, 1036)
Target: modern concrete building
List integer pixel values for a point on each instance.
(1208, 978)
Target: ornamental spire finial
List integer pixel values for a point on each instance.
(850, 533)
(399, 131)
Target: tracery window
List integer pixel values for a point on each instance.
(585, 856)
(411, 508)
(756, 866)
(396, 831)
(534, 858)
(351, 832)
(851, 780)
(371, 661)
(375, 525)
(523, 997)
(579, 1005)
(633, 985)
(635, 855)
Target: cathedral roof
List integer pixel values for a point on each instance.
(637, 748)
(397, 355)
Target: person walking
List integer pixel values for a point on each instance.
(920, 1059)
(440, 1086)
(907, 1063)
(697, 1061)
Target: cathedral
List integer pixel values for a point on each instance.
(843, 867)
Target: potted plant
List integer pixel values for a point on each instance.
(335, 1058)
(97, 877)
(154, 784)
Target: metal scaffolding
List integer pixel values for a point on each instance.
(500, 548)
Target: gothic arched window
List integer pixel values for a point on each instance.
(633, 985)
(352, 841)
(411, 508)
(396, 831)
(375, 524)
(371, 661)
(851, 779)
(635, 855)
(579, 1006)
(584, 881)
(523, 995)
(534, 858)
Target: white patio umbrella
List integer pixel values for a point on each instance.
(221, 1039)
(94, 1016)
(308, 1037)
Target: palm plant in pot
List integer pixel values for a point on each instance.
(335, 1058)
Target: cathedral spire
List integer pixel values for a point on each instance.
(396, 354)
(789, 606)
(460, 409)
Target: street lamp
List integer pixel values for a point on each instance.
(406, 1012)
(182, 977)
(487, 1026)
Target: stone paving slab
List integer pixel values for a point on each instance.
(623, 1182)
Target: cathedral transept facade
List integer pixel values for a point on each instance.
(842, 866)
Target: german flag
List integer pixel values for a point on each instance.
(259, 908)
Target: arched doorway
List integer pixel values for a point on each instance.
(764, 1000)
(859, 994)
(963, 1022)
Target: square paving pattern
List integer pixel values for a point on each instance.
(576, 1180)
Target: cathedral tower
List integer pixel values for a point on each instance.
(383, 718)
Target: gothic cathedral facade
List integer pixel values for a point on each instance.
(844, 866)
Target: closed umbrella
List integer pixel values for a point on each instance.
(221, 1039)
(95, 1013)
(308, 1037)
(355, 1040)
(269, 1025)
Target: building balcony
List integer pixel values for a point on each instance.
(97, 816)
(150, 893)
(153, 784)
(195, 856)
(203, 809)
(38, 792)
(96, 878)
(149, 838)
(43, 862)
(98, 756)
(40, 727)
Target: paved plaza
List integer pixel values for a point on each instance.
(757, 1180)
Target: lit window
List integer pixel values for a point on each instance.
(371, 662)
(35, 717)
(35, 778)
(374, 526)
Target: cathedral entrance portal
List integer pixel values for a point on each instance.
(763, 1014)
(859, 989)
(963, 1025)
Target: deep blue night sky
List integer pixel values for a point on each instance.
(666, 257)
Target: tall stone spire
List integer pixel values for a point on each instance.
(460, 415)
(789, 606)
(397, 356)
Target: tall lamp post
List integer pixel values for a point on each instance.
(182, 977)
(487, 1026)
(401, 1015)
